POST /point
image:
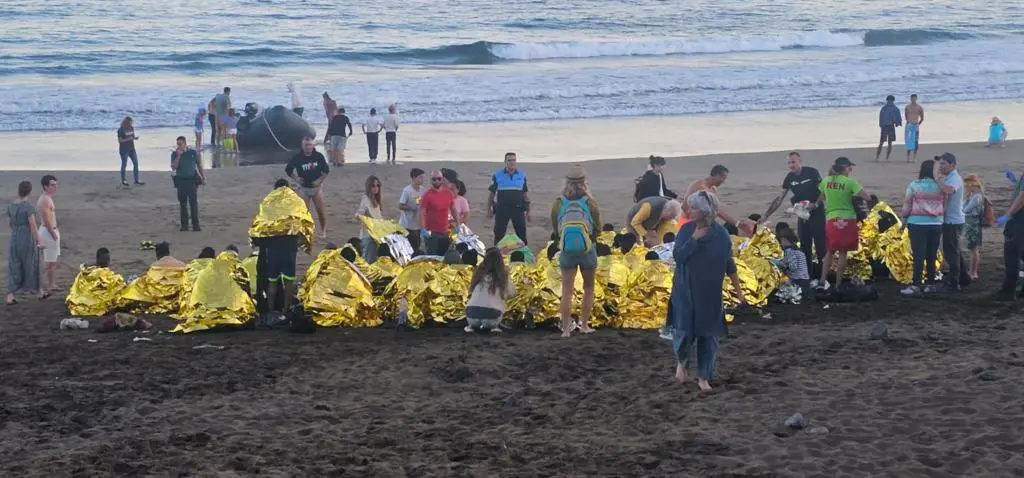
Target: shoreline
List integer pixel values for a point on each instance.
(554, 141)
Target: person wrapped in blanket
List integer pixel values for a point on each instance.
(794, 262)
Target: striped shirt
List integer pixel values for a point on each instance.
(924, 203)
(794, 264)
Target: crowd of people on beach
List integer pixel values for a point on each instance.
(941, 208)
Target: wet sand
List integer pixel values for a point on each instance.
(940, 397)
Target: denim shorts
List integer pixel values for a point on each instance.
(584, 261)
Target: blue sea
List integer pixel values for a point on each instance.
(83, 64)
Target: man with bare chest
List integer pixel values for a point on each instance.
(49, 236)
(914, 114)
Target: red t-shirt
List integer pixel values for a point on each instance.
(435, 204)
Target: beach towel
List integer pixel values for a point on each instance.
(910, 136)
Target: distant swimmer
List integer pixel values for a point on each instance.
(912, 135)
(888, 120)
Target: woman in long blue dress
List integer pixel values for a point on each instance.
(703, 255)
(23, 252)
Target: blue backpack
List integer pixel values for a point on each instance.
(575, 224)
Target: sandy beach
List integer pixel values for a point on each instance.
(940, 397)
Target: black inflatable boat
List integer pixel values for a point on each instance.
(271, 130)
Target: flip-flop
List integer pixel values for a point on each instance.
(13, 302)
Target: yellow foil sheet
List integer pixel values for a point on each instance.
(380, 228)
(337, 294)
(410, 284)
(444, 299)
(284, 213)
(158, 291)
(95, 292)
(216, 298)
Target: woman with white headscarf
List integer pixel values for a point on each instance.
(703, 255)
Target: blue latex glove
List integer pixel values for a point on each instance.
(1002, 220)
(424, 233)
(1010, 176)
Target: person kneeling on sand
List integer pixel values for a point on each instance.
(489, 289)
(164, 257)
(997, 133)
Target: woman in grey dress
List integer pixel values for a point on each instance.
(23, 252)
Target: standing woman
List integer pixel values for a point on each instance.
(974, 212)
(652, 183)
(372, 128)
(575, 217)
(23, 252)
(369, 206)
(923, 210)
(391, 134)
(461, 203)
(126, 146)
(703, 255)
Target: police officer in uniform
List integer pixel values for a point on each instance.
(508, 200)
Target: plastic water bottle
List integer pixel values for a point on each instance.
(74, 323)
(403, 312)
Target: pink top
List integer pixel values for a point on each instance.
(461, 208)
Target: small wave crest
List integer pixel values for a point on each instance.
(896, 37)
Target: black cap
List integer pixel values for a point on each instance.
(947, 157)
(843, 161)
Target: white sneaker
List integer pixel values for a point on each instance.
(823, 286)
(665, 334)
(911, 290)
(468, 329)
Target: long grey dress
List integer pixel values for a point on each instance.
(22, 255)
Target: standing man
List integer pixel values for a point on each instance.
(49, 236)
(391, 134)
(1013, 244)
(211, 115)
(435, 206)
(803, 182)
(188, 175)
(409, 207)
(330, 106)
(336, 138)
(509, 200)
(310, 169)
(710, 184)
(842, 234)
(298, 106)
(953, 222)
(888, 120)
(912, 135)
(222, 102)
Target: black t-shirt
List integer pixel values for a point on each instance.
(187, 164)
(122, 134)
(804, 186)
(337, 126)
(309, 168)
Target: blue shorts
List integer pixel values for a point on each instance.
(281, 262)
(586, 261)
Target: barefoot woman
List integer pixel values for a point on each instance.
(703, 254)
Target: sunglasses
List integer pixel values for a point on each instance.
(375, 185)
(436, 180)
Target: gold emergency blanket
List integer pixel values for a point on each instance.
(95, 292)
(284, 213)
(215, 297)
(650, 289)
(758, 275)
(158, 291)
(410, 284)
(381, 228)
(444, 298)
(249, 264)
(337, 294)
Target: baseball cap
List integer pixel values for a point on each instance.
(947, 157)
(844, 161)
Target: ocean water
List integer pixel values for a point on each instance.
(83, 64)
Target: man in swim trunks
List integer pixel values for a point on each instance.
(915, 116)
(222, 102)
(888, 120)
(710, 184)
(336, 137)
(49, 236)
(310, 169)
